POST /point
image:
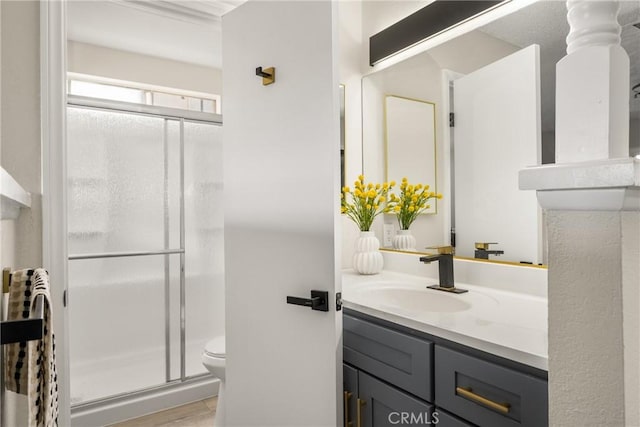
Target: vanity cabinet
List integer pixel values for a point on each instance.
(370, 402)
(391, 372)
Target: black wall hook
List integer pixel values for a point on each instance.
(268, 75)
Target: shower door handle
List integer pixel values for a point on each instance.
(319, 301)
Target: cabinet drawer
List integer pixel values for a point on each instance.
(488, 394)
(447, 420)
(400, 359)
(382, 405)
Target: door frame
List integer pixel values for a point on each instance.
(447, 186)
(53, 122)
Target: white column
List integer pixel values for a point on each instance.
(592, 89)
(592, 202)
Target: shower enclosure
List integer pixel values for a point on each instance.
(146, 279)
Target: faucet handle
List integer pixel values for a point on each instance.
(442, 250)
(484, 246)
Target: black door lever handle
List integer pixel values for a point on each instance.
(319, 301)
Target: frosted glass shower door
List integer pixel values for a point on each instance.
(204, 240)
(125, 251)
(146, 267)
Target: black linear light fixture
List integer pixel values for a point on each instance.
(426, 22)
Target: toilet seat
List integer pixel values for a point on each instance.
(216, 348)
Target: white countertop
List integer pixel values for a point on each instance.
(509, 324)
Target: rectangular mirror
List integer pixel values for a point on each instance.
(479, 157)
(410, 142)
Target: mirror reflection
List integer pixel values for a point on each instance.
(499, 81)
(342, 136)
(410, 142)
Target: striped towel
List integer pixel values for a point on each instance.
(31, 366)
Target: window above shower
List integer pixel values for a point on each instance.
(139, 93)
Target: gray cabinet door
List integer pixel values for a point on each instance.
(380, 404)
(350, 381)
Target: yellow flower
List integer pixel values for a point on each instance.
(412, 208)
(397, 208)
(361, 178)
(414, 199)
(426, 187)
(385, 186)
(371, 194)
(346, 189)
(404, 179)
(377, 186)
(376, 207)
(439, 196)
(343, 209)
(368, 206)
(419, 186)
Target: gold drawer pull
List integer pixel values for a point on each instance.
(347, 396)
(361, 403)
(469, 394)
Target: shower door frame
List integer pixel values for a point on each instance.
(53, 124)
(166, 114)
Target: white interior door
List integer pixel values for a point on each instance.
(281, 162)
(496, 134)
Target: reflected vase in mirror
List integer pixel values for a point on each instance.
(404, 241)
(367, 258)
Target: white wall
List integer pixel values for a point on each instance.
(631, 314)
(586, 376)
(21, 239)
(117, 64)
(20, 133)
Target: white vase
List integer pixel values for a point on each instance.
(404, 241)
(367, 258)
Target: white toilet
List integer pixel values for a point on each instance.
(214, 358)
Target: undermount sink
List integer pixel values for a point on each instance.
(419, 299)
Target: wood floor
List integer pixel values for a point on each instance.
(196, 414)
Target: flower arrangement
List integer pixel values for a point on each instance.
(411, 202)
(366, 202)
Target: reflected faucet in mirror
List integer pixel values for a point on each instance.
(482, 250)
(445, 269)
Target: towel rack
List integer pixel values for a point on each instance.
(12, 331)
